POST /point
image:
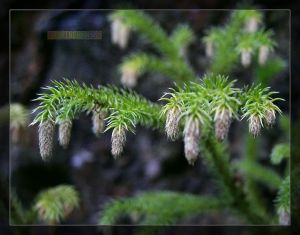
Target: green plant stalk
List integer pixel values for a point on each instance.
(66, 100)
(144, 207)
(225, 57)
(253, 195)
(154, 64)
(215, 154)
(142, 23)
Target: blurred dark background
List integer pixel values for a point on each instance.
(35, 61)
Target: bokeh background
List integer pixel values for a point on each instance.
(149, 160)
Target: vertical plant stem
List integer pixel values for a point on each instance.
(253, 195)
(219, 161)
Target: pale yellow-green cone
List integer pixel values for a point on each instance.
(115, 26)
(252, 25)
(46, 133)
(98, 121)
(284, 216)
(263, 55)
(118, 139)
(254, 125)
(119, 33)
(191, 140)
(209, 49)
(270, 117)
(222, 123)
(64, 133)
(129, 77)
(246, 57)
(172, 123)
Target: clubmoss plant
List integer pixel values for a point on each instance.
(198, 109)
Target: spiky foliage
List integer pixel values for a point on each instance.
(50, 206)
(239, 39)
(259, 105)
(202, 102)
(189, 110)
(280, 152)
(155, 208)
(172, 48)
(56, 204)
(66, 100)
